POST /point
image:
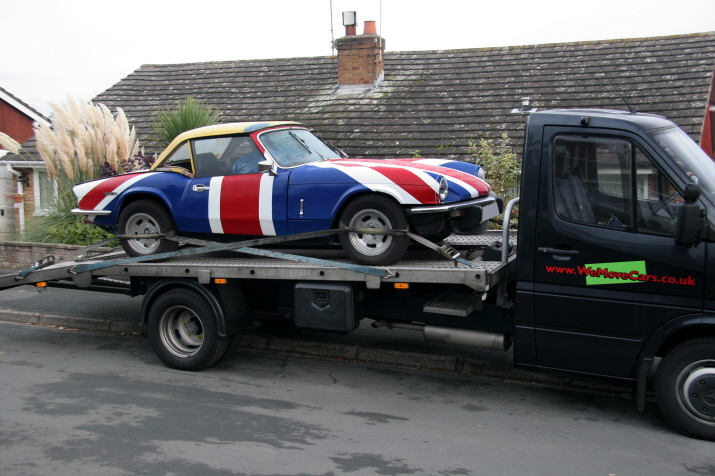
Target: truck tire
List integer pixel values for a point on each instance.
(146, 217)
(685, 387)
(374, 211)
(182, 331)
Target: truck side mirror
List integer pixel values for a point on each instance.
(690, 223)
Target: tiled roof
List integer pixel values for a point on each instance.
(28, 153)
(433, 102)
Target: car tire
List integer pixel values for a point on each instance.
(182, 331)
(374, 211)
(439, 236)
(685, 387)
(146, 217)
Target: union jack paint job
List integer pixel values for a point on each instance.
(289, 200)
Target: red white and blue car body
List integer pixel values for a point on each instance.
(267, 179)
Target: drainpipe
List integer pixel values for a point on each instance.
(20, 206)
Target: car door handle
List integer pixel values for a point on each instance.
(556, 251)
(200, 188)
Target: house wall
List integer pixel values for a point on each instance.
(15, 124)
(28, 201)
(7, 210)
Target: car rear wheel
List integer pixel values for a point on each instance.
(146, 217)
(378, 212)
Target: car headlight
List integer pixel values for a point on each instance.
(443, 189)
(481, 174)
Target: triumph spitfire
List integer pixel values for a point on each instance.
(277, 178)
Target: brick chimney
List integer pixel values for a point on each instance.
(361, 57)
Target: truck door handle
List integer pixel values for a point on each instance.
(556, 251)
(200, 188)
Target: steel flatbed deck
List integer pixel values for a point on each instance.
(481, 276)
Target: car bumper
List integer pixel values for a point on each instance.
(489, 202)
(79, 211)
(464, 218)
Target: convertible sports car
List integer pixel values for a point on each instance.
(277, 178)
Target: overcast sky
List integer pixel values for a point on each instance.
(55, 48)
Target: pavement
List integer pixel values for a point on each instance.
(120, 314)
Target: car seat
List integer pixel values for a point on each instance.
(247, 164)
(207, 165)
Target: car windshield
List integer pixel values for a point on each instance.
(691, 159)
(294, 147)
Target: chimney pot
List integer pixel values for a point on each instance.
(370, 28)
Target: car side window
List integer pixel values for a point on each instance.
(179, 158)
(232, 155)
(594, 180)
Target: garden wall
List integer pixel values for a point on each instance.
(21, 255)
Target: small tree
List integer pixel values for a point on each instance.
(501, 165)
(185, 115)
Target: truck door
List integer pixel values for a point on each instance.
(607, 269)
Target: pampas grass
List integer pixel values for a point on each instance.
(84, 140)
(84, 136)
(10, 144)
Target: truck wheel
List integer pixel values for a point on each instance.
(146, 217)
(685, 388)
(374, 211)
(182, 331)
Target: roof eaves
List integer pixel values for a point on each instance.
(23, 107)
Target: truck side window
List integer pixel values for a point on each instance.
(656, 199)
(594, 180)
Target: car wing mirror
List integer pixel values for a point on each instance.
(690, 221)
(267, 166)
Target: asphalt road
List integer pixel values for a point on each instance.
(76, 402)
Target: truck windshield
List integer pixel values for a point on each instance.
(294, 147)
(693, 162)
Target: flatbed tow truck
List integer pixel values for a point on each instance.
(613, 273)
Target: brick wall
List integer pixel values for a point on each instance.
(20, 255)
(360, 59)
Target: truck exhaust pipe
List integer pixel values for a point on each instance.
(452, 335)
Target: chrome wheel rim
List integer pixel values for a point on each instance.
(370, 245)
(695, 390)
(143, 224)
(181, 331)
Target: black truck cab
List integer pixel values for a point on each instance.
(615, 252)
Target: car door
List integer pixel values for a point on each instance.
(228, 195)
(607, 270)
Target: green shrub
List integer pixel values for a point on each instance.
(501, 165)
(185, 115)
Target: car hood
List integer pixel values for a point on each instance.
(461, 176)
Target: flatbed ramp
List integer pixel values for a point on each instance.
(481, 276)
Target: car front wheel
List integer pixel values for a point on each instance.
(377, 212)
(146, 217)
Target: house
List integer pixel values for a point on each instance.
(374, 103)
(19, 175)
